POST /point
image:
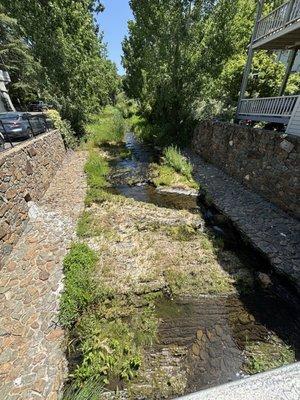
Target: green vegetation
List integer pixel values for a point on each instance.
(179, 73)
(107, 127)
(263, 356)
(84, 225)
(96, 169)
(61, 59)
(111, 346)
(64, 128)
(80, 290)
(175, 170)
(90, 391)
(174, 158)
(110, 333)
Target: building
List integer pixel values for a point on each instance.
(5, 101)
(279, 30)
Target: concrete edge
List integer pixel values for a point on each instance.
(278, 384)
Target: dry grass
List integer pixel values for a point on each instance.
(143, 248)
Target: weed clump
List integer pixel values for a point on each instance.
(80, 290)
(106, 330)
(96, 169)
(175, 170)
(174, 159)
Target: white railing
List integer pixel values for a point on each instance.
(282, 16)
(269, 106)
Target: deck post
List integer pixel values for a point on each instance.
(289, 11)
(289, 66)
(247, 69)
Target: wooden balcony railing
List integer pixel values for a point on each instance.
(268, 106)
(281, 17)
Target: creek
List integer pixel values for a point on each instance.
(207, 336)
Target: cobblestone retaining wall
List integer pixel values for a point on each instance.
(264, 161)
(25, 173)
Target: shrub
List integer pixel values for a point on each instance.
(65, 129)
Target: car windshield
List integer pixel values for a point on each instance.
(9, 116)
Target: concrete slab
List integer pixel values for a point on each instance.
(279, 384)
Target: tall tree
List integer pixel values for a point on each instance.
(161, 60)
(184, 60)
(64, 38)
(17, 59)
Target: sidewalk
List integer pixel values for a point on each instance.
(32, 361)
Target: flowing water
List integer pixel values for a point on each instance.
(206, 337)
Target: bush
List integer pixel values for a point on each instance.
(128, 107)
(65, 129)
(80, 289)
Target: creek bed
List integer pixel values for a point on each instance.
(205, 339)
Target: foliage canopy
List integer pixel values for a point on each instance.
(185, 58)
(64, 50)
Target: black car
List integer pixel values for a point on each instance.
(21, 125)
(39, 106)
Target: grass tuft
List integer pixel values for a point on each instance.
(175, 170)
(80, 290)
(91, 390)
(174, 159)
(108, 127)
(96, 169)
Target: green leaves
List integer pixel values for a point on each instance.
(162, 72)
(68, 56)
(185, 60)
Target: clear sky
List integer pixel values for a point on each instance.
(113, 21)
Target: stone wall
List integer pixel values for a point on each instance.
(266, 162)
(25, 173)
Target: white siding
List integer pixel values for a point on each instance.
(294, 124)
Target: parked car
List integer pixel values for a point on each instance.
(21, 125)
(39, 106)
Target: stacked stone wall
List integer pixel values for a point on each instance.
(266, 162)
(25, 174)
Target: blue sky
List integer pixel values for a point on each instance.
(113, 21)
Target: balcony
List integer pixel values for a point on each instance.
(269, 109)
(280, 29)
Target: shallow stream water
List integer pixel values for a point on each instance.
(210, 333)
